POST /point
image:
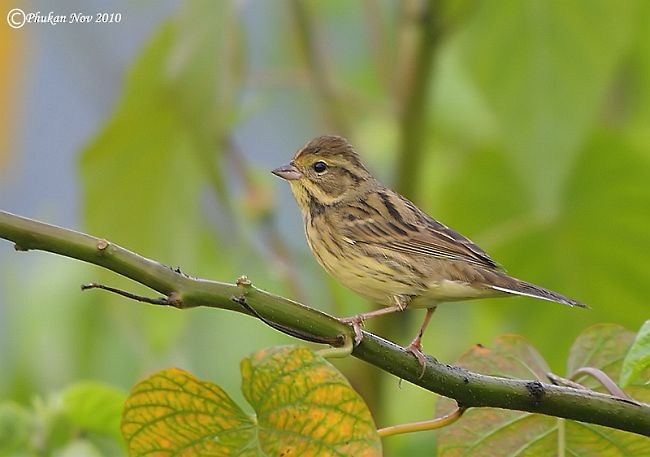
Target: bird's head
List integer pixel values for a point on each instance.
(326, 170)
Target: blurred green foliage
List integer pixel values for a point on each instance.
(81, 420)
(536, 146)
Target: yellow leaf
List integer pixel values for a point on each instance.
(174, 413)
(304, 407)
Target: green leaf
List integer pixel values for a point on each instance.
(144, 172)
(637, 360)
(95, 407)
(544, 68)
(602, 346)
(593, 250)
(603, 227)
(139, 174)
(488, 432)
(637, 83)
(489, 170)
(173, 412)
(303, 406)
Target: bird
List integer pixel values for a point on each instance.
(383, 247)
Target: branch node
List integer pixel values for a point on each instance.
(244, 282)
(239, 299)
(20, 248)
(102, 245)
(174, 299)
(536, 390)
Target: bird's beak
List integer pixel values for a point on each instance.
(288, 172)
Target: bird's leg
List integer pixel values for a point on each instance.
(415, 347)
(401, 302)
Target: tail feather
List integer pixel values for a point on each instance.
(519, 287)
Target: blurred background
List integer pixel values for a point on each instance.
(523, 125)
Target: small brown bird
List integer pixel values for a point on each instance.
(382, 246)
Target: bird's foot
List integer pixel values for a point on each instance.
(356, 322)
(415, 348)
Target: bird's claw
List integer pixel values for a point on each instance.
(415, 348)
(355, 322)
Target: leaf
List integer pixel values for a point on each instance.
(95, 407)
(544, 68)
(141, 184)
(593, 250)
(605, 347)
(606, 197)
(637, 360)
(306, 406)
(489, 432)
(489, 170)
(486, 431)
(510, 357)
(601, 346)
(637, 87)
(303, 405)
(145, 172)
(174, 413)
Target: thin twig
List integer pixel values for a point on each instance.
(603, 379)
(560, 381)
(163, 301)
(422, 426)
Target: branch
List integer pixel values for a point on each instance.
(317, 68)
(467, 388)
(414, 118)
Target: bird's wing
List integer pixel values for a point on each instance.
(387, 220)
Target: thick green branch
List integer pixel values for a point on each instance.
(467, 388)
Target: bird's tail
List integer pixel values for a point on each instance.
(516, 286)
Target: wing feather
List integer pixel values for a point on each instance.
(389, 221)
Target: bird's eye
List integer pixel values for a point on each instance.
(320, 166)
